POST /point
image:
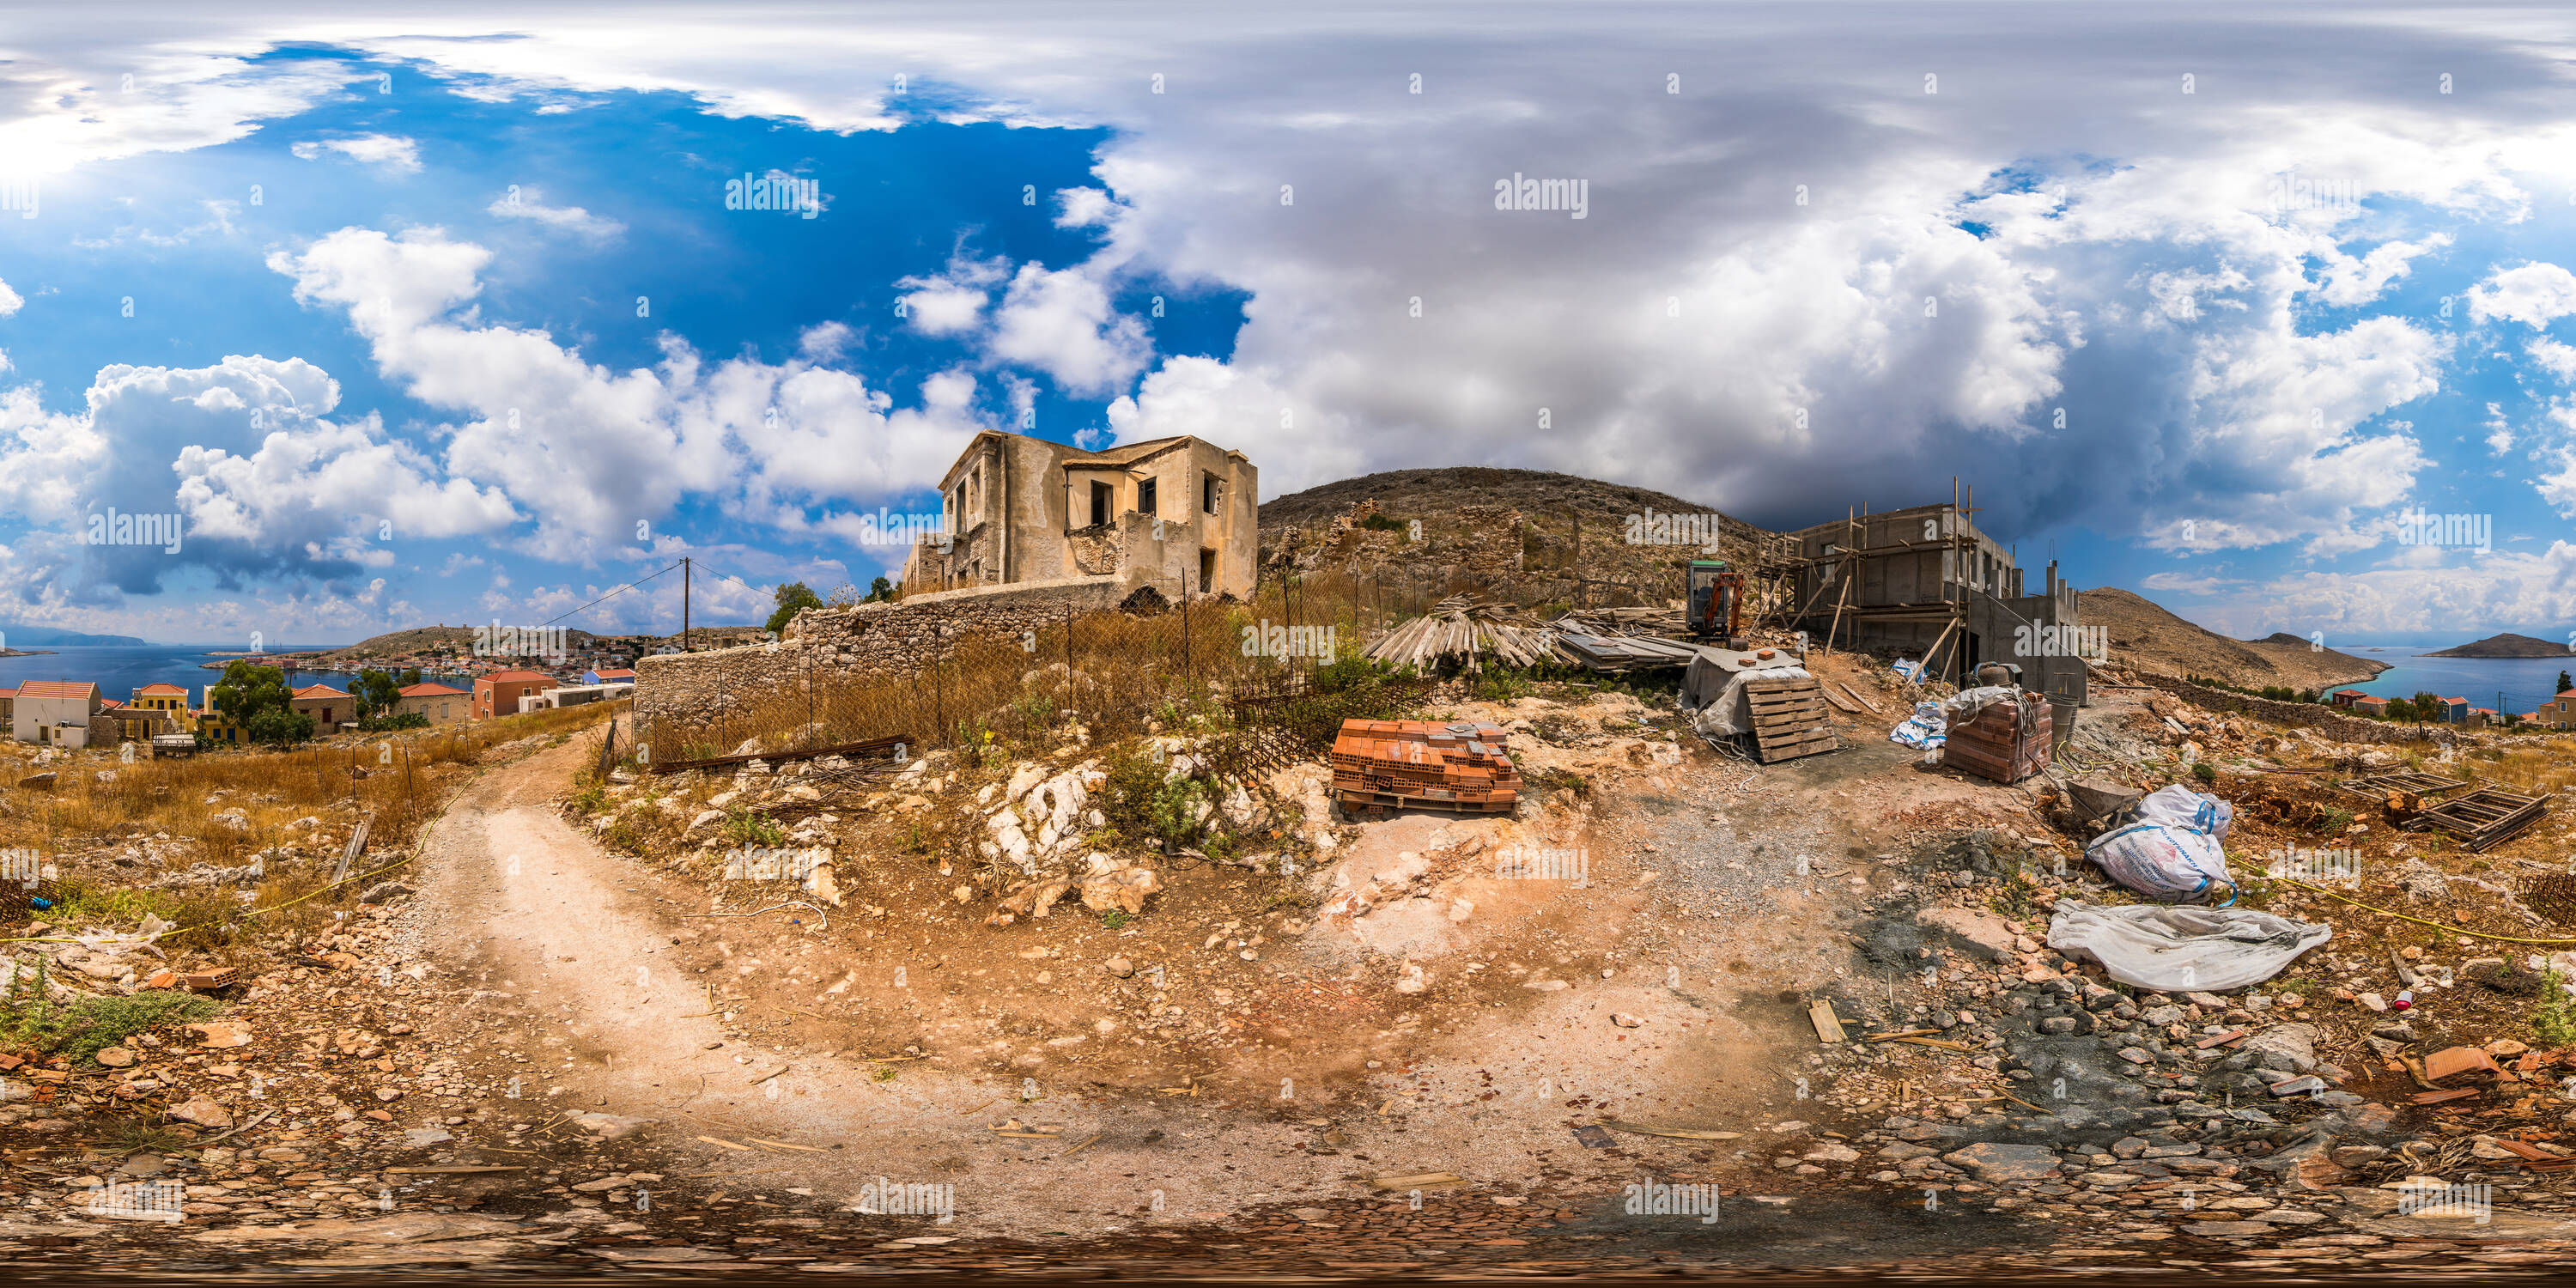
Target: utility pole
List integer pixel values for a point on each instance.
(685, 571)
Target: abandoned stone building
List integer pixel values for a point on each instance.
(1178, 514)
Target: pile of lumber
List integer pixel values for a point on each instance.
(1621, 621)
(1463, 629)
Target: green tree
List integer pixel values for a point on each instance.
(409, 678)
(376, 691)
(279, 726)
(2564, 683)
(882, 590)
(792, 598)
(248, 689)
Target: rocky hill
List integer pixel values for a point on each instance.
(2506, 645)
(2144, 635)
(1513, 531)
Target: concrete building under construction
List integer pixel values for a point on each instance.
(1926, 582)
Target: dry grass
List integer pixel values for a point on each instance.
(395, 781)
(1106, 669)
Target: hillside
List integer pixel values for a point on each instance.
(2505, 645)
(40, 636)
(2144, 635)
(1514, 530)
(458, 641)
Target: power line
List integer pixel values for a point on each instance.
(609, 596)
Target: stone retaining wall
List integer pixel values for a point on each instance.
(2325, 719)
(695, 689)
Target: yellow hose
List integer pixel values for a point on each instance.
(2457, 930)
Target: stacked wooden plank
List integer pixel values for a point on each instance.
(1618, 654)
(1398, 764)
(2484, 819)
(2007, 742)
(1621, 621)
(1789, 718)
(1465, 630)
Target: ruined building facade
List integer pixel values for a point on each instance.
(1177, 514)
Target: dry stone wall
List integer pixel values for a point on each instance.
(691, 689)
(2324, 718)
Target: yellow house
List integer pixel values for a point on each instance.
(213, 727)
(170, 698)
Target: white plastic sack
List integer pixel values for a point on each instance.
(1922, 730)
(2182, 949)
(2175, 805)
(2170, 864)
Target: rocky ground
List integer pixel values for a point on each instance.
(1344, 1047)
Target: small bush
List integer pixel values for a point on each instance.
(2555, 1019)
(83, 1028)
(2205, 772)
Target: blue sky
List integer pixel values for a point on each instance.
(2205, 304)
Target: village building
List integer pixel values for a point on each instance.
(1178, 514)
(499, 692)
(438, 703)
(60, 713)
(328, 706)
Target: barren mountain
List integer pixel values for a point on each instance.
(2144, 635)
(2507, 645)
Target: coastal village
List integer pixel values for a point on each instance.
(1401, 874)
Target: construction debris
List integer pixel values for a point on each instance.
(1464, 630)
(2484, 819)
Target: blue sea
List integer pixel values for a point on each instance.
(120, 669)
(2525, 682)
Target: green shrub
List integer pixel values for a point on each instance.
(83, 1028)
(2555, 1018)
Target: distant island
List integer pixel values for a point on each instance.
(26, 652)
(58, 637)
(2506, 645)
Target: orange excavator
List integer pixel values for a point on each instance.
(1715, 607)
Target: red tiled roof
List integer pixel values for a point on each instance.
(8, 693)
(2462, 701)
(428, 690)
(161, 690)
(319, 691)
(2482, 711)
(56, 689)
(620, 673)
(2571, 693)
(2365, 698)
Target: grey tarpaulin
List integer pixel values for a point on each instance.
(1724, 707)
(2207, 950)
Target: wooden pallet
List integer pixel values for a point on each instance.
(2485, 818)
(1789, 719)
(2378, 786)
